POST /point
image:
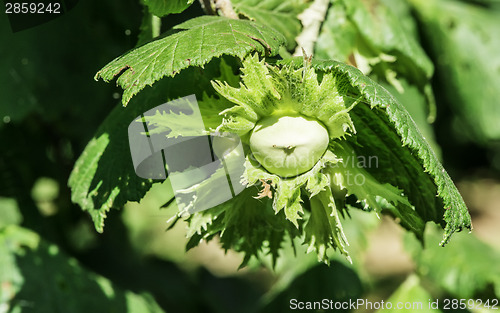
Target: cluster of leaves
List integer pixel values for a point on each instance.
(300, 89)
(383, 127)
(380, 39)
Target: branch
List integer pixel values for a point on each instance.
(226, 8)
(311, 19)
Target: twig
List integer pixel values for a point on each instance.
(226, 8)
(311, 19)
(155, 26)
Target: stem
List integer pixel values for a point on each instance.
(155, 26)
(311, 19)
(150, 27)
(226, 8)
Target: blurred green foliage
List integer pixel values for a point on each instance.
(38, 277)
(51, 259)
(466, 269)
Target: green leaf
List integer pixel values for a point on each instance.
(416, 105)
(277, 14)
(356, 180)
(464, 268)
(405, 159)
(100, 180)
(192, 43)
(365, 187)
(164, 7)
(37, 275)
(463, 41)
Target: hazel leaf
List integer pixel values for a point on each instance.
(192, 43)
